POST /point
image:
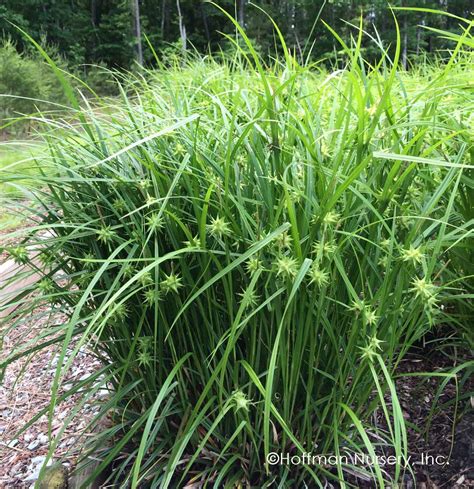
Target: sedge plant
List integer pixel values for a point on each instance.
(251, 248)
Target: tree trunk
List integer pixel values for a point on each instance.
(205, 23)
(94, 13)
(241, 13)
(137, 31)
(405, 43)
(418, 36)
(163, 18)
(182, 28)
(94, 22)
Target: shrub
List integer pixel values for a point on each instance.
(100, 79)
(27, 85)
(252, 252)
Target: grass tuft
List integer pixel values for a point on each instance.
(252, 251)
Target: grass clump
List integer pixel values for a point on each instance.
(252, 251)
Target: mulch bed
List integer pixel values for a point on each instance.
(21, 399)
(450, 435)
(442, 454)
(25, 392)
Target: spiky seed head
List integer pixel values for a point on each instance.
(412, 254)
(155, 222)
(326, 248)
(241, 159)
(371, 110)
(368, 352)
(144, 184)
(150, 296)
(145, 342)
(106, 234)
(250, 296)
(385, 243)
(92, 170)
(213, 178)
(118, 205)
(136, 236)
(414, 192)
(325, 149)
(144, 346)
(150, 200)
(240, 401)
(89, 261)
(204, 104)
(46, 286)
(219, 227)
(274, 179)
(405, 221)
(296, 195)
(375, 343)
(357, 306)
(432, 302)
(284, 240)
(318, 276)
(253, 265)
(329, 248)
(171, 283)
(331, 218)
(146, 279)
(423, 288)
(286, 267)
(83, 280)
(144, 358)
(120, 312)
(299, 173)
(179, 149)
(194, 243)
(19, 255)
(128, 270)
(370, 317)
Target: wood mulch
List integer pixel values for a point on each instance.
(441, 453)
(445, 451)
(25, 392)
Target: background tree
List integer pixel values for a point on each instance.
(137, 30)
(110, 31)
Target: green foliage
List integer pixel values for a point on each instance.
(252, 249)
(100, 79)
(27, 85)
(100, 31)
